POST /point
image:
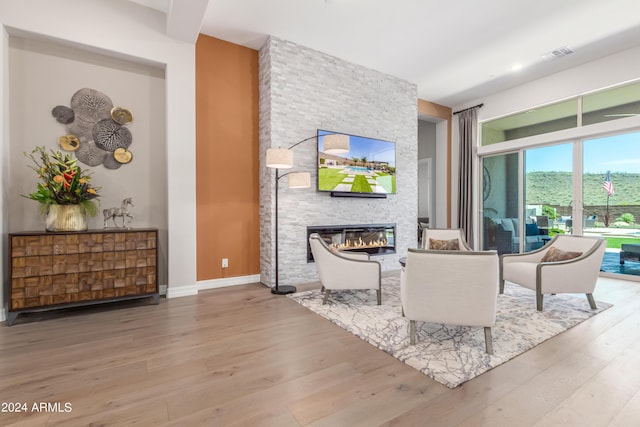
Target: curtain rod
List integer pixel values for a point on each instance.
(475, 106)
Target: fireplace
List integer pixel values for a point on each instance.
(375, 239)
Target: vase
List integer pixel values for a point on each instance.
(66, 218)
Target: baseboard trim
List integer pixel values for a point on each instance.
(228, 281)
(181, 291)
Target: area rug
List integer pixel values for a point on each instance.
(450, 354)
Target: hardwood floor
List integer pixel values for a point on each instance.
(240, 356)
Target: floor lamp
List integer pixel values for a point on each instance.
(282, 158)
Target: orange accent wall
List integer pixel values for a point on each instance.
(227, 165)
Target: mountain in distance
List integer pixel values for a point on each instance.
(554, 188)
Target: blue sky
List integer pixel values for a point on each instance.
(373, 149)
(619, 153)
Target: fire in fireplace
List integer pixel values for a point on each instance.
(375, 239)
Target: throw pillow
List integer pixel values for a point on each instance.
(554, 254)
(444, 245)
(532, 230)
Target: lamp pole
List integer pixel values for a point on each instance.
(279, 158)
(277, 289)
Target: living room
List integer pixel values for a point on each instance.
(184, 136)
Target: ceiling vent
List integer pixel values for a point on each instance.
(560, 52)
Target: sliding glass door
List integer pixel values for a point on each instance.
(589, 187)
(611, 194)
(548, 193)
(500, 204)
(520, 221)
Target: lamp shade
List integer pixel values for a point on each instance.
(299, 180)
(336, 143)
(279, 158)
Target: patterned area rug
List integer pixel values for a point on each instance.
(450, 354)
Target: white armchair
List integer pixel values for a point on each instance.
(450, 287)
(344, 270)
(572, 267)
(444, 234)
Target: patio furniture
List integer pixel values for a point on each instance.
(344, 270)
(542, 221)
(567, 264)
(450, 287)
(629, 252)
(590, 221)
(508, 239)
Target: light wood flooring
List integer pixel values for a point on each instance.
(240, 356)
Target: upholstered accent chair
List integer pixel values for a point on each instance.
(450, 287)
(442, 236)
(344, 270)
(567, 264)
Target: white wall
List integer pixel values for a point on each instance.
(45, 74)
(4, 161)
(609, 71)
(126, 31)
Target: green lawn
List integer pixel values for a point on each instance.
(615, 242)
(329, 178)
(360, 185)
(385, 182)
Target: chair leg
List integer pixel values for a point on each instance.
(592, 302)
(326, 296)
(412, 332)
(502, 286)
(379, 294)
(539, 298)
(488, 341)
(322, 289)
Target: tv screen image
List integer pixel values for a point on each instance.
(368, 167)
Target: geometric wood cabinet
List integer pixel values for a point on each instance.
(51, 270)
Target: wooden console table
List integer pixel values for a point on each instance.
(53, 270)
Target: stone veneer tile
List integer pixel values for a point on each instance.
(302, 90)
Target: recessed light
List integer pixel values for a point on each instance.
(516, 67)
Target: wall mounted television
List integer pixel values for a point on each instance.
(368, 169)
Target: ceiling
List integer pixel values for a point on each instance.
(455, 52)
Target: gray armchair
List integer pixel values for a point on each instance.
(344, 270)
(450, 287)
(575, 269)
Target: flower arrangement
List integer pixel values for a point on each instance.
(63, 182)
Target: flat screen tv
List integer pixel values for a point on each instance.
(367, 169)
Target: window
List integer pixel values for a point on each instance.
(609, 104)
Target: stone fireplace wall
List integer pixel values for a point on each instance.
(302, 90)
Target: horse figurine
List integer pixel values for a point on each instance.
(122, 212)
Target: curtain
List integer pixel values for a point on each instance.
(468, 124)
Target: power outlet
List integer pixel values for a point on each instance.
(225, 262)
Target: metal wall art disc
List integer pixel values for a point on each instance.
(110, 135)
(121, 115)
(91, 155)
(110, 161)
(91, 105)
(63, 114)
(122, 155)
(69, 142)
(96, 130)
(80, 128)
